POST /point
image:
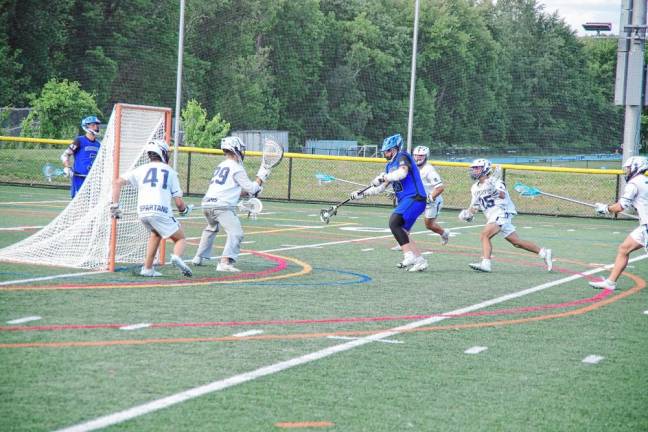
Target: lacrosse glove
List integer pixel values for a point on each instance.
(186, 210)
(380, 179)
(263, 173)
(68, 171)
(601, 209)
(356, 195)
(465, 215)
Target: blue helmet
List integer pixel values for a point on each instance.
(88, 121)
(392, 142)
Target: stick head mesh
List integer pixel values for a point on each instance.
(526, 191)
(272, 153)
(324, 178)
(50, 170)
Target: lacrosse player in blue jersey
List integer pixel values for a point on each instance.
(84, 148)
(401, 172)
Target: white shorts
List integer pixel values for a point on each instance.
(504, 222)
(640, 235)
(433, 209)
(164, 225)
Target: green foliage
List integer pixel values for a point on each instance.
(198, 130)
(58, 110)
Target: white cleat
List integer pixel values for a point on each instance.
(149, 273)
(547, 259)
(409, 260)
(445, 237)
(184, 268)
(421, 264)
(396, 248)
(604, 284)
(480, 267)
(197, 261)
(223, 267)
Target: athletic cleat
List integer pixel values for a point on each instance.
(149, 273)
(547, 259)
(223, 267)
(604, 284)
(408, 260)
(445, 237)
(480, 267)
(421, 264)
(396, 248)
(197, 261)
(184, 268)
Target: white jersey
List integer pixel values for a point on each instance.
(225, 186)
(156, 183)
(486, 197)
(430, 178)
(635, 194)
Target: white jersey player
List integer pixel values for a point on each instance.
(219, 204)
(433, 189)
(156, 184)
(635, 194)
(491, 197)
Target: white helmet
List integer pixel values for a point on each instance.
(421, 151)
(635, 165)
(235, 145)
(159, 147)
(480, 168)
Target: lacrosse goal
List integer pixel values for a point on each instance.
(84, 235)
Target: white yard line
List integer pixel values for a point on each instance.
(21, 228)
(24, 319)
(248, 333)
(592, 359)
(34, 202)
(48, 278)
(475, 350)
(149, 407)
(135, 326)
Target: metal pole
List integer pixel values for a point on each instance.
(176, 133)
(634, 84)
(410, 117)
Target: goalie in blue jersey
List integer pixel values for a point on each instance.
(403, 175)
(84, 148)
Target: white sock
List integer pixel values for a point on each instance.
(542, 253)
(486, 262)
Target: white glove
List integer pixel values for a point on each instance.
(263, 173)
(115, 211)
(465, 215)
(257, 193)
(601, 209)
(356, 195)
(430, 199)
(68, 171)
(380, 179)
(187, 210)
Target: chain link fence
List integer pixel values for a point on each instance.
(296, 178)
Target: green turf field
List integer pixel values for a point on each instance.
(322, 332)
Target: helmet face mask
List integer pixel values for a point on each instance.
(480, 168)
(158, 147)
(635, 165)
(91, 125)
(421, 154)
(234, 145)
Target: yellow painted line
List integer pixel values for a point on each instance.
(292, 229)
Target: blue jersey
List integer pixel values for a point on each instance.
(85, 152)
(411, 186)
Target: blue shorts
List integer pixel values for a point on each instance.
(77, 182)
(410, 209)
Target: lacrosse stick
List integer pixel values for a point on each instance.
(50, 171)
(252, 206)
(326, 178)
(327, 213)
(272, 154)
(529, 191)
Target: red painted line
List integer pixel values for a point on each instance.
(281, 264)
(525, 309)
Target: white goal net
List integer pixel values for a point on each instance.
(80, 236)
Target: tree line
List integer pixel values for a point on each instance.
(497, 76)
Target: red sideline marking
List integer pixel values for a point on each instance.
(282, 264)
(600, 296)
(304, 424)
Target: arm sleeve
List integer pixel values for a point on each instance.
(629, 194)
(72, 148)
(242, 179)
(375, 190)
(474, 199)
(399, 174)
(175, 189)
